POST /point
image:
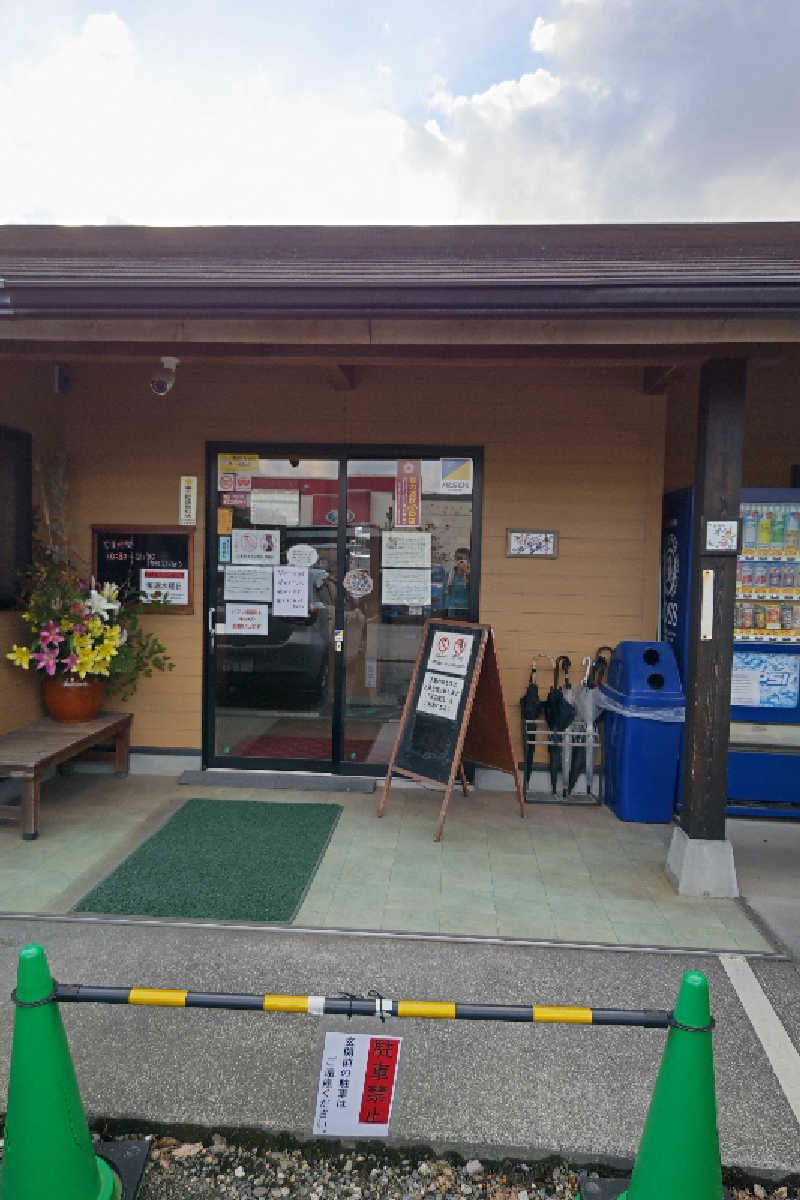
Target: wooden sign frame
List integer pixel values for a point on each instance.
(484, 733)
(185, 532)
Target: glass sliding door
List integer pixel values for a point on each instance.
(272, 609)
(321, 572)
(409, 557)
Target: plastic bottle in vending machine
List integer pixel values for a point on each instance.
(791, 541)
(778, 530)
(764, 530)
(749, 530)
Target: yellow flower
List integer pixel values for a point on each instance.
(64, 624)
(113, 635)
(20, 656)
(95, 626)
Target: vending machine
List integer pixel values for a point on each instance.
(764, 753)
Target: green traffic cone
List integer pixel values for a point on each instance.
(679, 1149)
(48, 1148)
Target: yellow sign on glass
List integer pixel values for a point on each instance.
(224, 520)
(238, 462)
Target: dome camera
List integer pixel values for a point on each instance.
(163, 379)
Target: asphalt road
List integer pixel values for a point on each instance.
(480, 1088)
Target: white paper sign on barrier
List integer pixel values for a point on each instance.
(356, 1085)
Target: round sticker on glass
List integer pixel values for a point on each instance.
(357, 583)
(301, 555)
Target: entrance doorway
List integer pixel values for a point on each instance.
(322, 566)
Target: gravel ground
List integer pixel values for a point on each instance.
(218, 1170)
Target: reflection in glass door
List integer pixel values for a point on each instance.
(409, 557)
(321, 574)
(273, 609)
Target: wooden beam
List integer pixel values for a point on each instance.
(343, 378)
(718, 476)
(301, 354)
(655, 379)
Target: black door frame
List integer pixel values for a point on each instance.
(341, 453)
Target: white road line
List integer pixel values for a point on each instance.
(778, 1047)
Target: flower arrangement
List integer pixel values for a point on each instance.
(80, 629)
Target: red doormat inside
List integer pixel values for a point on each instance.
(265, 745)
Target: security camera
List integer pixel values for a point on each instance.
(294, 461)
(163, 380)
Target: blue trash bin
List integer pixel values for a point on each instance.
(644, 708)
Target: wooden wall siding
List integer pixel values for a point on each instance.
(27, 402)
(772, 426)
(580, 450)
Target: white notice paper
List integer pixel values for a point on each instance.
(356, 1085)
(172, 585)
(248, 583)
(270, 506)
(440, 695)
(290, 592)
(405, 548)
(256, 545)
(246, 619)
(745, 688)
(401, 586)
(451, 651)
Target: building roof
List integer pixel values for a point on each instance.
(507, 270)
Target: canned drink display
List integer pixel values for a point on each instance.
(796, 616)
(759, 617)
(761, 574)
(737, 615)
(789, 577)
(775, 576)
(772, 616)
(787, 616)
(748, 575)
(746, 616)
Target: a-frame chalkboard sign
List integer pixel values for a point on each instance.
(455, 711)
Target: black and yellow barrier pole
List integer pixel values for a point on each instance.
(363, 1006)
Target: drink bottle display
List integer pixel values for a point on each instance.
(778, 530)
(791, 543)
(749, 530)
(764, 530)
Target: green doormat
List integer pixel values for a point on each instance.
(223, 860)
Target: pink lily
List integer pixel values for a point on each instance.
(70, 662)
(79, 628)
(46, 660)
(48, 634)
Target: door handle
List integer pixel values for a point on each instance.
(212, 612)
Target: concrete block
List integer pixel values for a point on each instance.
(701, 867)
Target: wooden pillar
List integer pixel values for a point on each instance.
(718, 475)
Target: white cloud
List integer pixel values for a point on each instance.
(693, 116)
(502, 101)
(542, 39)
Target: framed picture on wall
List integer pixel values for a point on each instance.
(531, 543)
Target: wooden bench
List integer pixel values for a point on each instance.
(26, 753)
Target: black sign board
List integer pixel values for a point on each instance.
(454, 711)
(121, 552)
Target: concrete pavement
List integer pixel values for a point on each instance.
(477, 1087)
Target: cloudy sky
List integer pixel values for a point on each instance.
(408, 111)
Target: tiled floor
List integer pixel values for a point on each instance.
(569, 874)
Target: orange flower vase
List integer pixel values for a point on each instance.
(68, 698)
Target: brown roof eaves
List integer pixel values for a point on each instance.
(447, 271)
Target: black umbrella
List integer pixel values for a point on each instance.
(530, 706)
(558, 713)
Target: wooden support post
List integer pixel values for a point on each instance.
(718, 474)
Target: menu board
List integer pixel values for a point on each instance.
(455, 711)
(156, 559)
(438, 700)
